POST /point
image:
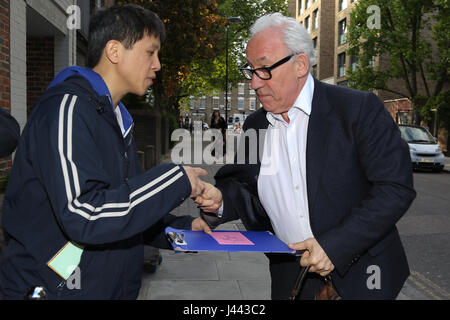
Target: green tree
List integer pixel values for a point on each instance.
(208, 76)
(414, 35)
(192, 32)
(193, 55)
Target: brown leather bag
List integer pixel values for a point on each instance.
(327, 292)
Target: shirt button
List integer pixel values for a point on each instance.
(297, 187)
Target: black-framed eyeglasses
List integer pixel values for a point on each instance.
(264, 72)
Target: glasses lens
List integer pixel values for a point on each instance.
(247, 73)
(263, 73)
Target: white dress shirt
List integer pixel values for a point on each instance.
(282, 189)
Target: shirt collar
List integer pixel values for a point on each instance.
(303, 101)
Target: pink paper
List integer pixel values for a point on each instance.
(233, 238)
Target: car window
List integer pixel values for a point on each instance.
(416, 135)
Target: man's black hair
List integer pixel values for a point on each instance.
(128, 24)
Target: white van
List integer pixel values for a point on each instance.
(423, 147)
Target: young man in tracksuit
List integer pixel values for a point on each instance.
(77, 204)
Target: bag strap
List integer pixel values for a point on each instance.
(299, 282)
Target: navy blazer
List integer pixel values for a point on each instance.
(359, 180)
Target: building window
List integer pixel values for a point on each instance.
(315, 23)
(240, 103)
(307, 23)
(307, 4)
(342, 31)
(314, 70)
(372, 62)
(314, 43)
(241, 87)
(203, 103)
(300, 7)
(342, 5)
(252, 104)
(354, 63)
(341, 65)
(216, 103)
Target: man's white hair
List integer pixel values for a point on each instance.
(296, 38)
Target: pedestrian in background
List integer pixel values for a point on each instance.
(219, 123)
(334, 177)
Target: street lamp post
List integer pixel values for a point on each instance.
(229, 20)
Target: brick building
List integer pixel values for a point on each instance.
(242, 101)
(327, 21)
(5, 83)
(36, 42)
(318, 17)
(39, 38)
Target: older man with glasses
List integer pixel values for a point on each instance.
(342, 175)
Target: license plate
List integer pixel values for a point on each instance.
(426, 160)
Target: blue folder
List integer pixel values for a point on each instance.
(188, 240)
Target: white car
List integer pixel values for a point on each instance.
(423, 147)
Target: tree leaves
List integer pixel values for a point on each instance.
(412, 41)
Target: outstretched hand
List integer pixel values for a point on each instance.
(197, 184)
(210, 200)
(198, 224)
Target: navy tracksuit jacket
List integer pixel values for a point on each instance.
(77, 178)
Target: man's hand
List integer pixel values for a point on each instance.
(211, 198)
(315, 256)
(197, 185)
(198, 224)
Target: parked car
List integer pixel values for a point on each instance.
(423, 147)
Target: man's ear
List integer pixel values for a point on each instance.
(112, 51)
(302, 62)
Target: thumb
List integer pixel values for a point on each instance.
(207, 229)
(200, 172)
(298, 246)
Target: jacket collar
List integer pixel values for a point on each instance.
(99, 86)
(317, 141)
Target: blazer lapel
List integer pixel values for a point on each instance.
(317, 142)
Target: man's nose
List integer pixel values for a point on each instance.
(157, 64)
(256, 82)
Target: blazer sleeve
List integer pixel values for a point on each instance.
(384, 158)
(238, 184)
(87, 206)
